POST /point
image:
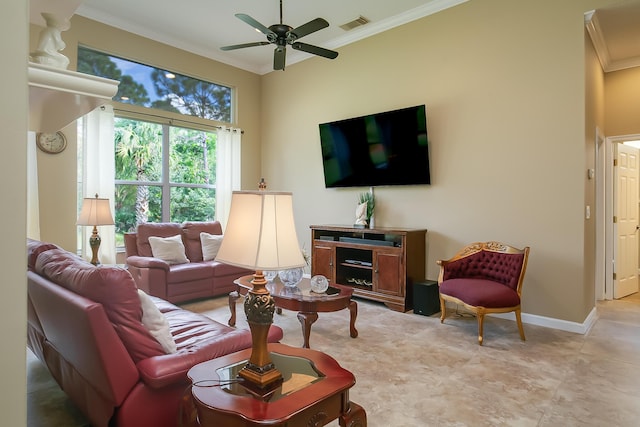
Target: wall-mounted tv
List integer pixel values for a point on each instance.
(389, 148)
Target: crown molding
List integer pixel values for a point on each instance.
(600, 45)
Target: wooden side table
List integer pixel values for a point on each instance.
(315, 391)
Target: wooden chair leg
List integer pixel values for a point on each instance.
(520, 328)
(443, 310)
(480, 327)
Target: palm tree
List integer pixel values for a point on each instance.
(135, 143)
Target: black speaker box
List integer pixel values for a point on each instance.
(425, 298)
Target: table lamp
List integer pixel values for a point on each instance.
(260, 235)
(95, 211)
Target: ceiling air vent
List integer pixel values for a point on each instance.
(358, 22)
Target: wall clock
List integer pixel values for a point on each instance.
(52, 143)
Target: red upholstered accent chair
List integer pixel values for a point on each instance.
(484, 277)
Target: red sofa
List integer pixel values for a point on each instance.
(85, 325)
(179, 282)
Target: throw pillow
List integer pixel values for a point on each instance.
(210, 245)
(156, 323)
(169, 249)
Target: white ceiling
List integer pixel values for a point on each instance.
(203, 26)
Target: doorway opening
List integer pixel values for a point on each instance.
(613, 242)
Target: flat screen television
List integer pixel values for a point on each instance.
(389, 148)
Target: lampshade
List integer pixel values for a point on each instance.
(95, 211)
(261, 232)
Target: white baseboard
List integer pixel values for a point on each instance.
(550, 322)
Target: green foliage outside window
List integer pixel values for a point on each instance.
(125, 207)
(192, 204)
(192, 156)
(140, 187)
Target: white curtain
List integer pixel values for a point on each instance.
(99, 176)
(33, 201)
(228, 153)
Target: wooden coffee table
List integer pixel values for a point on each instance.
(301, 299)
(314, 391)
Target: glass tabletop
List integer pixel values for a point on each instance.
(302, 291)
(297, 373)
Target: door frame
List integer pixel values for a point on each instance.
(605, 253)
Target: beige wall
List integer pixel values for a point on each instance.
(622, 102)
(504, 84)
(57, 173)
(13, 178)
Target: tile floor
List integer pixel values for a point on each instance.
(413, 371)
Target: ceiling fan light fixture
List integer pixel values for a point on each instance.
(282, 35)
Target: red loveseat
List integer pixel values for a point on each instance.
(85, 325)
(196, 278)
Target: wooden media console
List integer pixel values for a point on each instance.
(380, 264)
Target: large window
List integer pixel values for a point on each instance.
(163, 173)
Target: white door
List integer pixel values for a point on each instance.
(626, 213)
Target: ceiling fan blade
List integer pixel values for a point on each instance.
(279, 56)
(255, 24)
(316, 50)
(308, 28)
(243, 45)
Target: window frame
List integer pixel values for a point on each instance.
(165, 183)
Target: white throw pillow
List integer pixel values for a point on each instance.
(156, 323)
(210, 245)
(169, 249)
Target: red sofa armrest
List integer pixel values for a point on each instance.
(150, 274)
(160, 371)
(147, 262)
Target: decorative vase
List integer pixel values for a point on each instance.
(269, 275)
(291, 277)
(319, 284)
(291, 290)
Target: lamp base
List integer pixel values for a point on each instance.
(94, 242)
(264, 377)
(265, 393)
(259, 307)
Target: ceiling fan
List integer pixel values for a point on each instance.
(282, 35)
